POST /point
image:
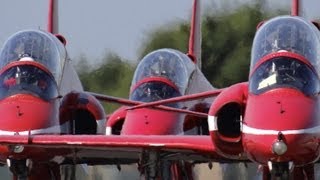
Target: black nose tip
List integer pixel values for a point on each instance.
(280, 136)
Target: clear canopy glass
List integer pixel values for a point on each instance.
(287, 33)
(167, 63)
(41, 46)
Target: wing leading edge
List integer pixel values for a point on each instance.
(101, 149)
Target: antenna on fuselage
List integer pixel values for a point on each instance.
(194, 51)
(53, 20)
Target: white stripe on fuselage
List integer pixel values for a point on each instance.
(49, 130)
(58, 129)
(255, 131)
(108, 130)
(212, 122)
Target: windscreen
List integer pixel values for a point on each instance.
(42, 47)
(27, 79)
(284, 72)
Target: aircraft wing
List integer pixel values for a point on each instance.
(113, 149)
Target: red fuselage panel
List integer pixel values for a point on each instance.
(24, 112)
(286, 111)
(152, 122)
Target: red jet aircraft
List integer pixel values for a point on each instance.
(41, 96)
(272, 120)
(40, 93)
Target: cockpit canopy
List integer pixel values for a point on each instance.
(167, 63)
(43, 47)
(287, 33)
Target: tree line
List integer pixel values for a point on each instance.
(226, 47)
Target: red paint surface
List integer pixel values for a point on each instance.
(302, 149)
(152, 122)
(196, 143)
(295, 8)
(281, 110)
(23, 112)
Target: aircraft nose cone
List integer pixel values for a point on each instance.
(284, 110)
(24, 112)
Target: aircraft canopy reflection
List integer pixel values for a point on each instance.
(285, 54)
(162, 74)
(41, 46)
